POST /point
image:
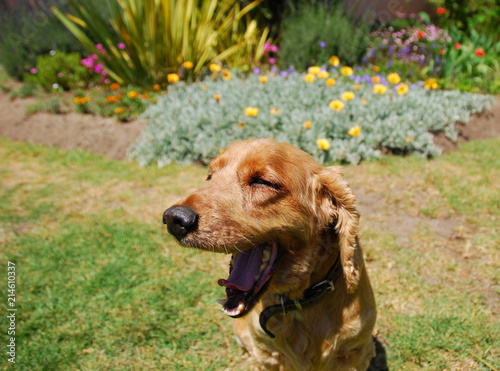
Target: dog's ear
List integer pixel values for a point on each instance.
(338, 206)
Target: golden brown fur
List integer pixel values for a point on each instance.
(313, 217)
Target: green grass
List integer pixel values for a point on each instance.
(101, 285)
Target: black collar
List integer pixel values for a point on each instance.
(312, 296)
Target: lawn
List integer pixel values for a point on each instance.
(101, 285)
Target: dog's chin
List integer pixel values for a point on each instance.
(249, 274)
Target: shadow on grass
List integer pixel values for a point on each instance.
(379, 362)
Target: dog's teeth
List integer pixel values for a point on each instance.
(266, 255)
(262, 268)
(241, 307)
(221, 301)
(257, 276)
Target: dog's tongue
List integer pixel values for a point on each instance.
(246, 265)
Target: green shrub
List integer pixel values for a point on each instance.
(59, 70)
(313, 33)
(158, 36)
(194, 122)
(27, 31)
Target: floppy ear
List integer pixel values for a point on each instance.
(339, 204)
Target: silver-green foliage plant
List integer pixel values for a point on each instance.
(195, 122)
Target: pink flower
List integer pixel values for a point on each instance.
(121, 46)
(33, 71)
(98, 46)
(267, 47)
(479, 52)
(60, 74)
(104, 73)
(98, 68)
(458, 46)
(94, 57)
(274, 48)
(272, 60)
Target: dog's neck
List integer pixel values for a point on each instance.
(311, 297)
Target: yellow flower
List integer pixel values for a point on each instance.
(431, 84)
(274, 111)
(251, 111)
(307, 125)
(241, 125)
(409, 139)
(156, 87)
(173, 78)
(330, 82)
(348, 95)
(133, 94)
(336, 105)
(214, 67)
(356, 86)
(114, 86)
(118, 110)
(376, 68)
(323, 74)
(314, 70)
(323, 144)
(111, 99)
(346, 71)
(226, 75)
(309, 78)
(393, 78)
(263, 79)
(188, 65)
(204, 87)
(334, 60)
(364, 100)
(217, 97)
(354, 131)
(376, 79)
(402, 89)
(379, 89)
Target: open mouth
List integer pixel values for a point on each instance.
(249, 272)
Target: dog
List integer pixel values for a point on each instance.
(297, 286)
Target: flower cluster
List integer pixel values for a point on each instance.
(351, 120)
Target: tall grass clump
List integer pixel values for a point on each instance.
(146, 40)
(344, 122)
(312, 32)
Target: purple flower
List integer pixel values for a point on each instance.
(274, 69)
(33, 71)
(322, 44)
(283, 73)
(121, 46)
(291, 69)
(52, 52)
(390, 63)
(60, 74)
(256, 70)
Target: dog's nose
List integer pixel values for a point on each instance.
(180, 220)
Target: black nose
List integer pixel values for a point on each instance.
(180, 220)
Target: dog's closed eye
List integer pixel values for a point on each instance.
(258, 181)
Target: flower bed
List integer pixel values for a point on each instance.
(330, 116)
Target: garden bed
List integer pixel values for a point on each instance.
(108, 137)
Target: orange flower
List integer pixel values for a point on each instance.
(440, 10)
(81, 100)
(263, 79)
(307, 125)
(111, 99)
(114, 86)
(188, 65)
(118, 110)
(156, 87)
(217, 97)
